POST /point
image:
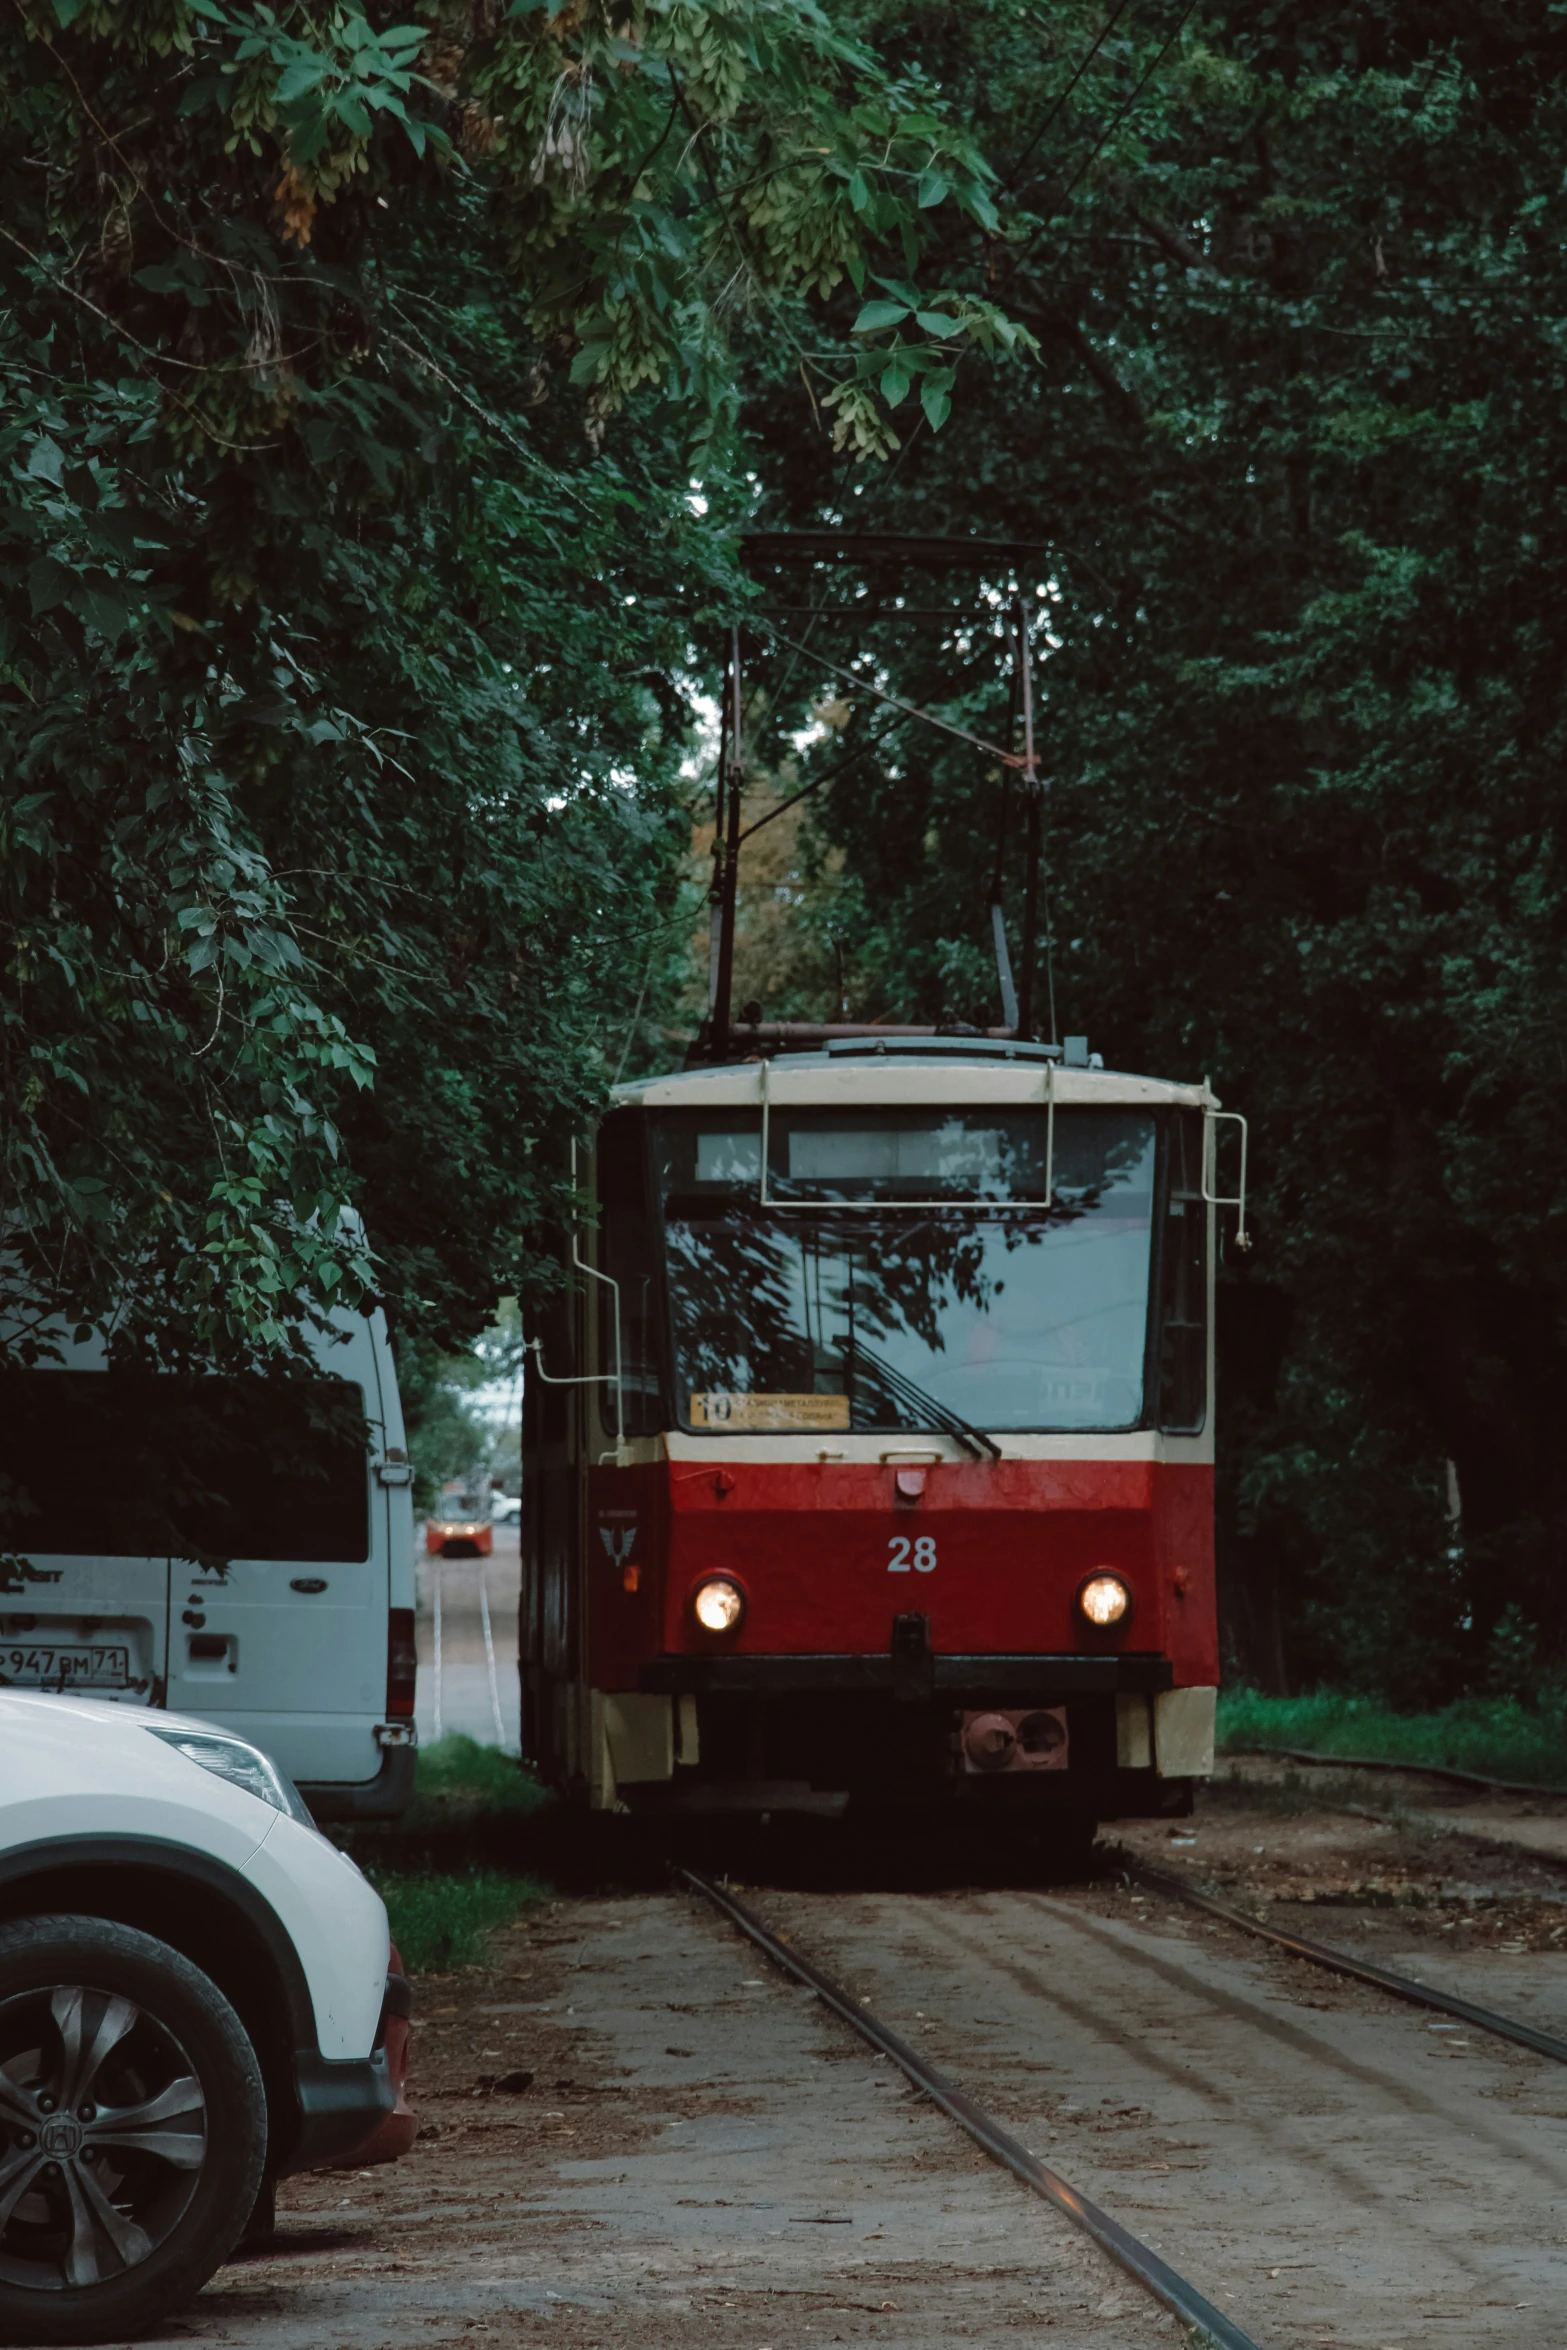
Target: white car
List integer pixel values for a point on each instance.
(193, 2002)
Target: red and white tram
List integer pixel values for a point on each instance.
(868, 1450)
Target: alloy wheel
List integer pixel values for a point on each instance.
(103, 2136)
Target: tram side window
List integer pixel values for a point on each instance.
(1183, 1332)
(627, 1256)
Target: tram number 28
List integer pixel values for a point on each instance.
(918, 1555)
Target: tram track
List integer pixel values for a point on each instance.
(1343, 1962)
(1297, 2152)
(1473, 1782)
(1139, 2260)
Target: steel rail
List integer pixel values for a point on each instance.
(1372, 1762)
(1154, 2274)
(1483, 2019)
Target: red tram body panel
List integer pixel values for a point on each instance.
(818, 1547)
(868, 1451)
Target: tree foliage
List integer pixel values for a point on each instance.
(344, 664)
(1295, 446)
(382, 400)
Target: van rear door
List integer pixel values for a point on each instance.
(285, 1640)
(84, 1555)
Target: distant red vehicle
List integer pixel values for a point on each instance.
(459, 1525)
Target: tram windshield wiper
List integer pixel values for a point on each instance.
(912, 1398)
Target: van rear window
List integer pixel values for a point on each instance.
(133, 1464)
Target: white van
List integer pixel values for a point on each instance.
(161, 1558)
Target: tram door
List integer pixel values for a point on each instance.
(549, 1632)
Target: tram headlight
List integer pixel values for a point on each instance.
(1105, 1600)
(718, 1604)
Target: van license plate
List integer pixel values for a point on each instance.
(64, 1668)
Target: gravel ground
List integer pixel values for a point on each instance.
(701, 2156)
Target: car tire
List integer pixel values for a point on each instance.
(106, 2227)
(260, 2230)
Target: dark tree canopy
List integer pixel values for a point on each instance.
(383, 404)
(355, 373)
(1295, 442)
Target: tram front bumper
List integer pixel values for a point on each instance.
(966, 1681)
(1108, 1734)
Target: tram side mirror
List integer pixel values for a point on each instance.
(1074, 1052)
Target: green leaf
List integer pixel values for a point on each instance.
(859, 190)
(46, 460)
(588, 364)
(875, 315)
(107, 612)
(204, 91)
(300, 77)
(936, 402)
(932, 190)
(183, 275)
(49, 583)
(894, 382)
(937, 322)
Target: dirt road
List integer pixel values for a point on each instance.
(701, 2156)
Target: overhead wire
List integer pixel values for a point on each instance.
(1070, 189)
(1099, 40)
(1101, 143)
(862, 751)
(909, 709)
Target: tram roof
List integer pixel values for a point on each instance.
(906, 1073)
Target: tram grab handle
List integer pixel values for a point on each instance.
(1211, 1193)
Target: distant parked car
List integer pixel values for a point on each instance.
(506, 1508)
(194, 2001)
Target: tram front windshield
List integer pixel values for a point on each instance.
(908, 1267)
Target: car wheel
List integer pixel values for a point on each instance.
(259, 2230)
(133, 2129)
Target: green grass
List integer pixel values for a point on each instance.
(1493, 1736)
(460, 1770)
(440, 1919)
(439, 1923)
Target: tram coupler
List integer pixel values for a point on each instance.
(913, 1666)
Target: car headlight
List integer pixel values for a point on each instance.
(718, 1604)
(1105, 1600)
(241, 1764)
